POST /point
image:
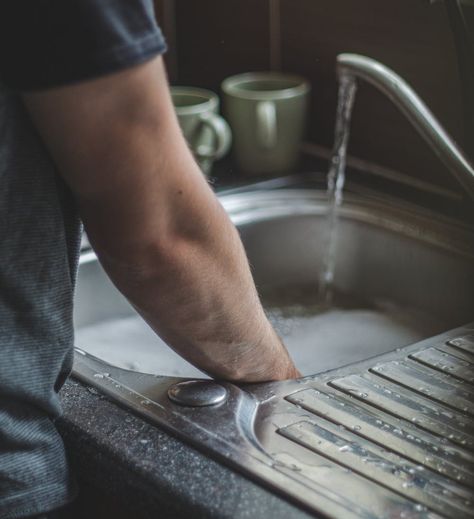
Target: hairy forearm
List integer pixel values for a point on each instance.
(157, 227)
(199, 296)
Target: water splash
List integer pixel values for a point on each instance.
(335, 184)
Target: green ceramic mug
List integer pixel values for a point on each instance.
(206, 132)
(267, 114)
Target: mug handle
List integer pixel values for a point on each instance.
(223, 135)
(266, 124)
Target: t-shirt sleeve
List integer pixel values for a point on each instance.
(48, 43)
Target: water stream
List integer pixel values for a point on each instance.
(335, 185)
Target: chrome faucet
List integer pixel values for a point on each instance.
(410, 104)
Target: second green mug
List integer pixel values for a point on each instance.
(267, 114)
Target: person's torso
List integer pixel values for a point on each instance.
(39, 246)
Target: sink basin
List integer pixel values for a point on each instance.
(402, 274)
(373, 431)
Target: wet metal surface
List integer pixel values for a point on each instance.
(390, 437)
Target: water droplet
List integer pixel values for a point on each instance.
(447, 414)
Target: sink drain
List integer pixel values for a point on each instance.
(197, 393)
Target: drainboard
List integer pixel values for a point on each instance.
(389, 437)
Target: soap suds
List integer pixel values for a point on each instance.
(317, 339)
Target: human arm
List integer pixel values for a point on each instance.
(156, 226)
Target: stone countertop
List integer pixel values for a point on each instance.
(152, 474)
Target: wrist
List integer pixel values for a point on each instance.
(270, 361)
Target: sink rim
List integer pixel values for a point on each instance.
(382, 211)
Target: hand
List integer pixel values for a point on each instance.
(268, 361)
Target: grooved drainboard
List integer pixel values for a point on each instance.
(390, 437)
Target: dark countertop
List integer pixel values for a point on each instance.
(133, 469)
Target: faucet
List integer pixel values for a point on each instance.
(411, 105)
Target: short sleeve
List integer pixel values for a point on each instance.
(49, 43)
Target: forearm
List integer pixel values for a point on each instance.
(157, 227)
(199, 296)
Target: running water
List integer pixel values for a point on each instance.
(336, 179)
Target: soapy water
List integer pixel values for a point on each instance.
(129, 343)
(321, 337)
(318, 338)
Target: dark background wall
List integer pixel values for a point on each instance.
(212, 39)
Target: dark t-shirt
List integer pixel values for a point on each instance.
(45, 43)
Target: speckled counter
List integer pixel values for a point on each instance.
(143, 472)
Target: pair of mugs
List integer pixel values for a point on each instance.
(266, 113)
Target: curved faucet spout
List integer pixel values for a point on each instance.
(410, 104)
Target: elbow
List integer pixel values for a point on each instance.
(139, 263)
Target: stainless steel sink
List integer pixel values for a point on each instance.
(407, 274)
(373, 439)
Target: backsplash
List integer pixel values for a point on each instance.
(212, 39)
